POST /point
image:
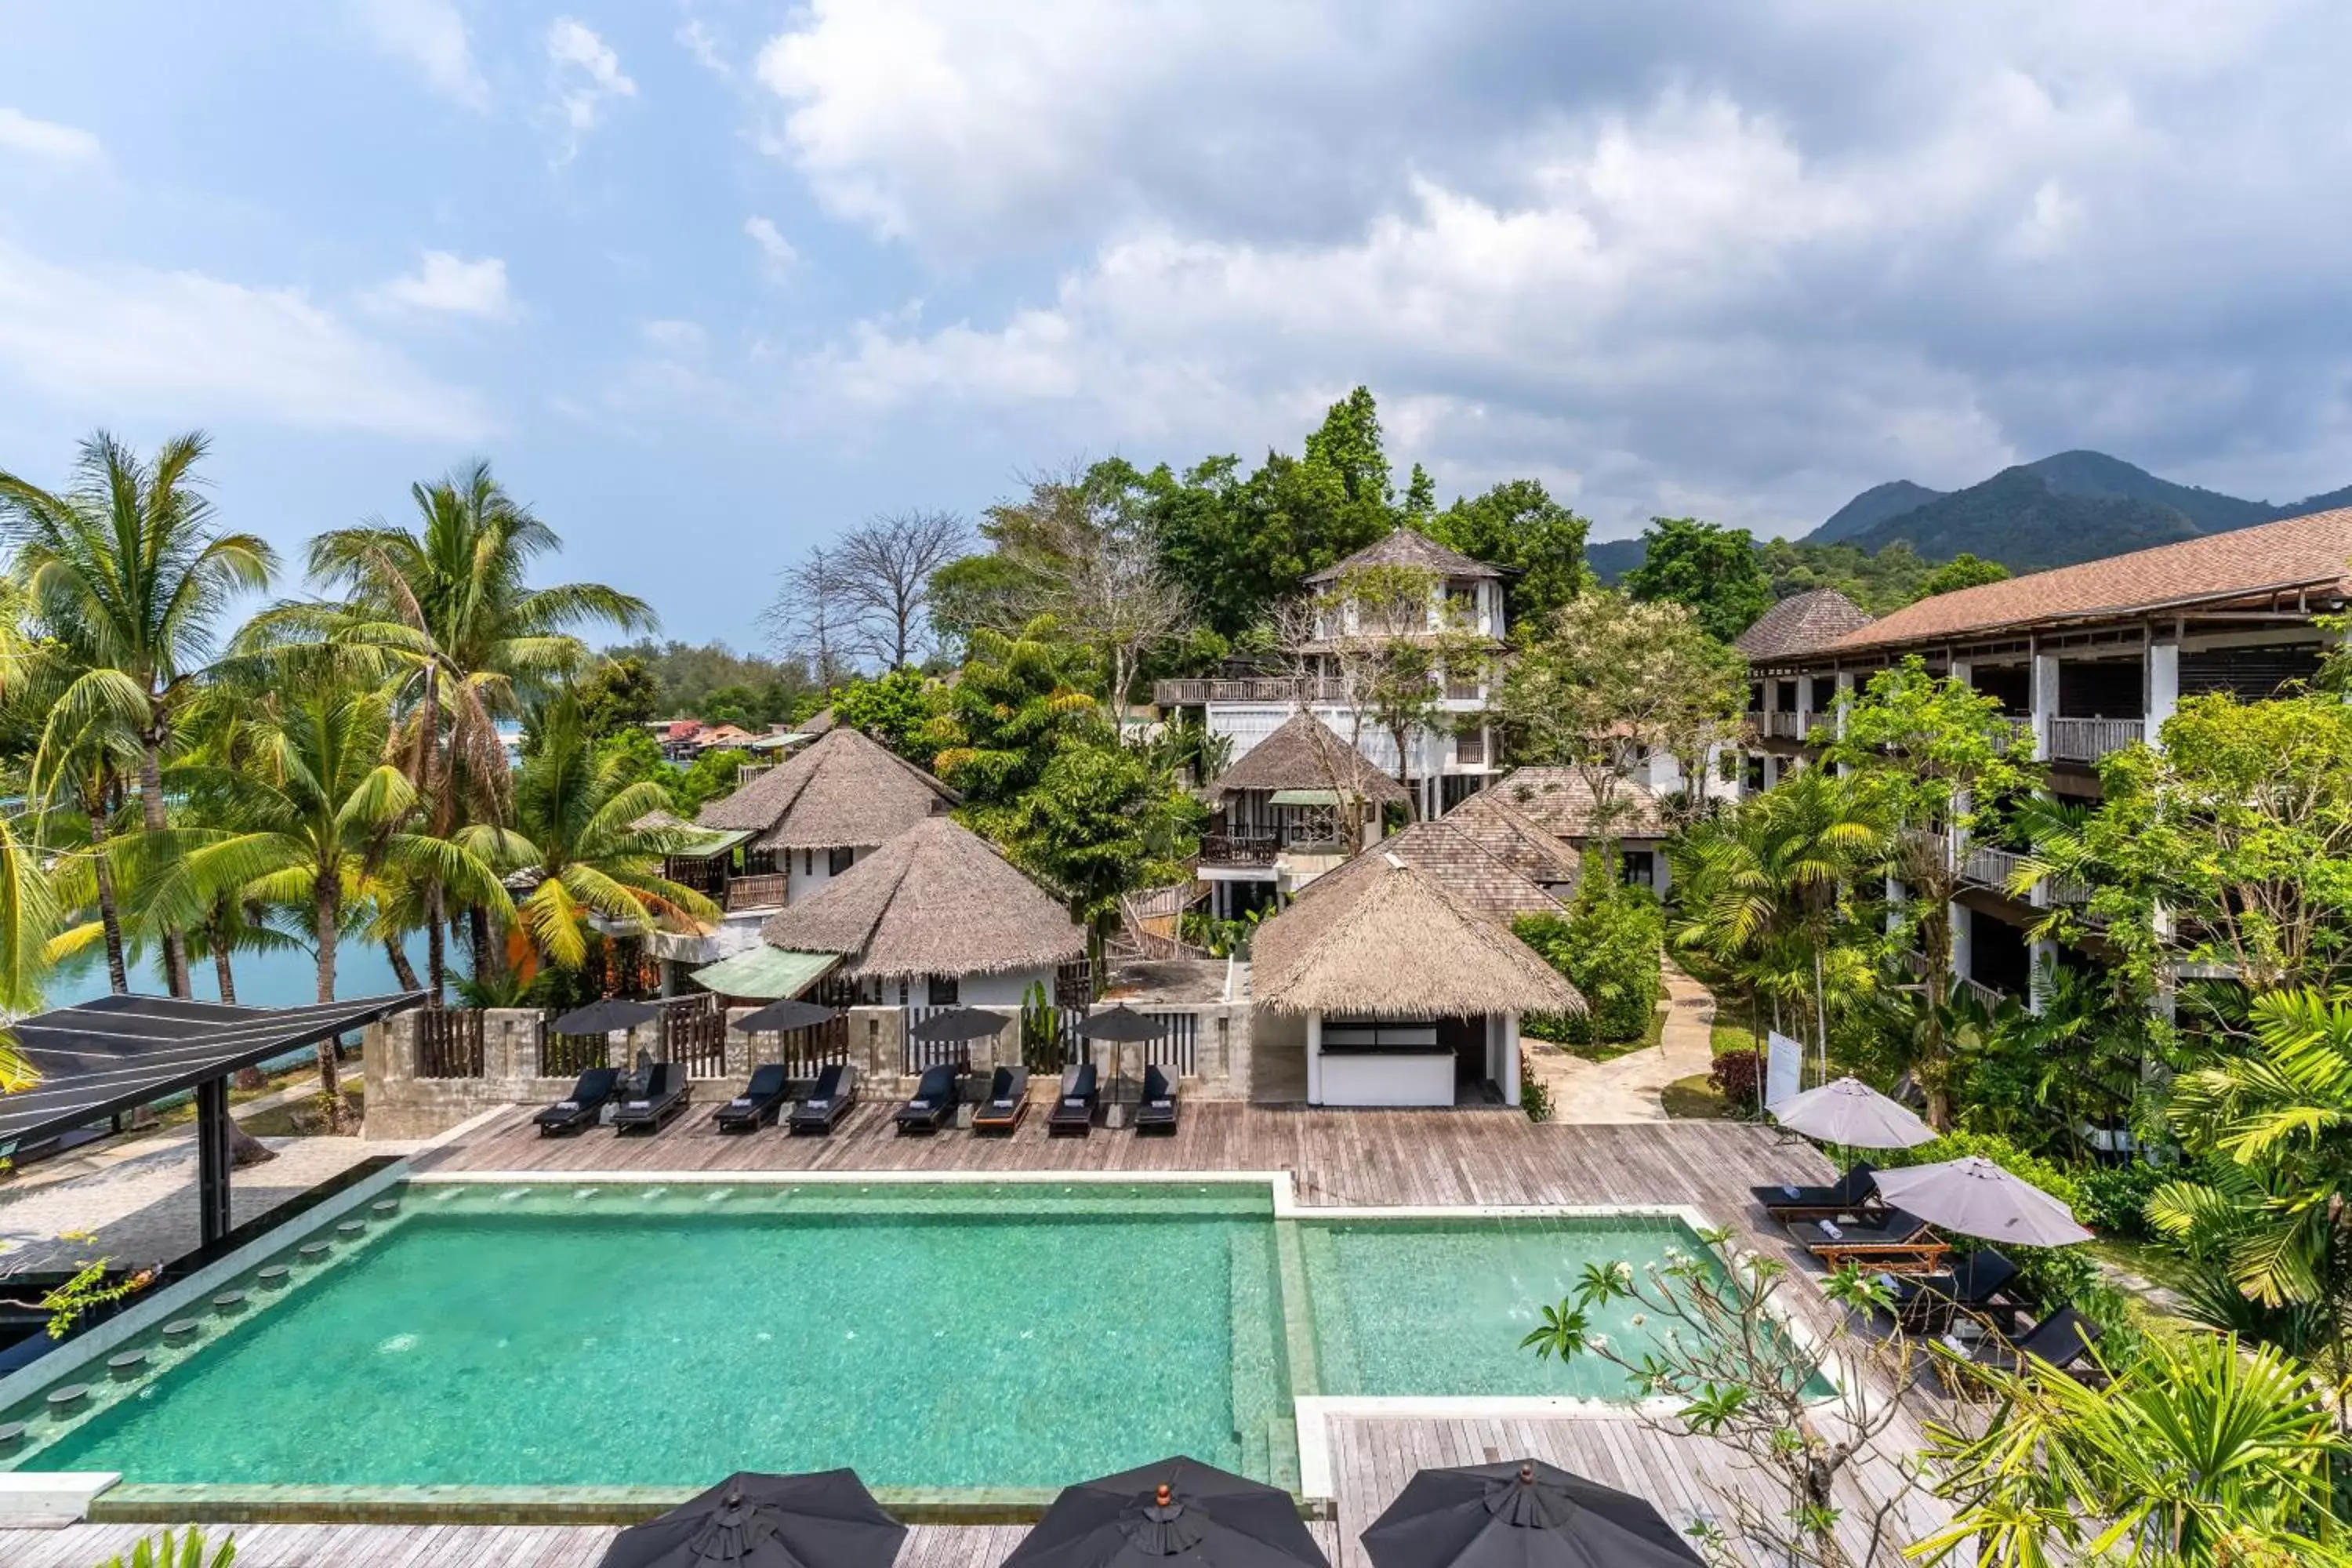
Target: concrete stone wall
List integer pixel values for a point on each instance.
(401, 1104)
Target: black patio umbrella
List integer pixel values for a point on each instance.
(1178, 1507)
(1523, 1514)
(1122, 1024)
(824, 1520)
(960, 1024)
(787, 1014)
(604, 1017)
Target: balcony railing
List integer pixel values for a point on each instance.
(1239, 848)
(1990, 867)
(764, 891)
(2088, 740)
(1464, 691)
(1985, 993)
(1192, 693)
(1470, 749)
(1785, 724)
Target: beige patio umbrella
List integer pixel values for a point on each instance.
(1849, 1112)
(1976, 1197)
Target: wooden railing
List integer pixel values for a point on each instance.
(569, 1056)
(1470, 749)
(1991, 866)
(764, 891)
(917, 1057)
(1239, 849)
(449, 1042)
(1257, 689)
(695, 1034)
(1786, 725)
(2088, 740)
(1984, 992)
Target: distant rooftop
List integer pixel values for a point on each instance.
(1408, 547)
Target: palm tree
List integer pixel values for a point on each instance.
(2200, 1454)
(446, 604)
(29, 920)
(581, 836)
(126, 569)
(314, 821)
(1763, 890)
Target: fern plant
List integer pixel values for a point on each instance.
(184, 1551)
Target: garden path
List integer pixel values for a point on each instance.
(1626, 1088)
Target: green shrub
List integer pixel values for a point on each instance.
(1611, 945)
(2115, 1197)
(1535, 1099)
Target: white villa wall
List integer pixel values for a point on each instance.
(811, 870)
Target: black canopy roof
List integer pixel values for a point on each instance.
(117, 1053)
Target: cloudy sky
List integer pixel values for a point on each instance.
(706, 280)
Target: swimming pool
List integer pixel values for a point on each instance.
(975, 1339)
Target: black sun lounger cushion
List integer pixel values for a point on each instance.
(1007, 1101)
(582, 1108)
(664, 1098)
(1158, 1111)
(835, 1093)
(932, 1103)
(1074, 1111)
(2061, 1339)
(758, 1102)
(1853, 1193)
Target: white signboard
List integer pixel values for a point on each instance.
(1784, 1067)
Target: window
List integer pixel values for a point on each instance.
(1470, 748)
(943, 990)
(1641, 868)
(839, 859)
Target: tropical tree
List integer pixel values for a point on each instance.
(1937, 763)
(126, 570)
(581, 838)
(1708, 568)
(2202, 1453)
(1017, 702)
(1104, 822)
(312, 823)
(446, 602)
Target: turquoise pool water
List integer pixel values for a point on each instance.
(967, 1336)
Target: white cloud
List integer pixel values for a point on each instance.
(776, 253)
(694, 36)
(587, 76)
(191, 348)
(450, 284)
(672, 337)
(44, 139)
(431, 36)
(1671, 256)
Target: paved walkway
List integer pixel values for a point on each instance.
(1626, 1089)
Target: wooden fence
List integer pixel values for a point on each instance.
(449, 1042)
(695, 1033)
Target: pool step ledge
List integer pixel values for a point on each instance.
(50, 1500)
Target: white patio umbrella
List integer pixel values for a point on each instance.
(1977, 1197)
(1849, 1112)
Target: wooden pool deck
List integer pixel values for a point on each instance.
(1353, 1157)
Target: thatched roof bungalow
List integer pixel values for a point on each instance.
(933, 916)
(1282, 814)
(1561, 802)
(1395, 993)
(816, 813)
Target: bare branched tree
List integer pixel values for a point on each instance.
(1092, 558)
(866, 598)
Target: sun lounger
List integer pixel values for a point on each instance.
(1074, 1110)
(1974, 1284)
(1158, 1111)
(1007, 1102)
(579, 1111)
(2063, 1339)
(835, 1093)
(1854, 1192)
(665, 1097)
(932, 1104)
(759, 1103)
(1899, 1244)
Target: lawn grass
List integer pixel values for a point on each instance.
(1695, 1098)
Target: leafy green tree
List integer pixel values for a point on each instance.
(448, 605)
(899, 709)
(1607, 680)
(128, 571)
(313, 821)
(2202, 1453)
(1100, 824)
(1018, 700)
(579, 837)
(2231, 845)
(1935, 761)
(1518, 526)
(684, 673)
(736, 705)
(1708, 568)
(1611, 945)
(634, 754)
(1420, 497)
(712, 775)
(1962, 571)
(982, 590)
(618, 694)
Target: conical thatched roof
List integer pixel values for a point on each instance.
(841, 791)
(1408, 547)
(1500, 829)
(1560, 801)
(936, 899)
(1308, 754)
(1388, 942)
